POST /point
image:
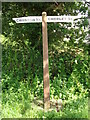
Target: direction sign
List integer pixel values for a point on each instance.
(38, 19)
(29, 19)
(59, 19)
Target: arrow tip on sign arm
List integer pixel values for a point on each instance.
(14, 19)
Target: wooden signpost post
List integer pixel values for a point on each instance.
(45, 62)
(44, 19)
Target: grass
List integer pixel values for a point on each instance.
(14, 107)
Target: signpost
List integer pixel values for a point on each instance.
(44, 19)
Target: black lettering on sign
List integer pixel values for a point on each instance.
(24, 20)
(37, 19)
(33, 19)
(69, 18)
(17, 20)
(51, 18)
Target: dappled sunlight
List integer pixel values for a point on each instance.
(45, 66)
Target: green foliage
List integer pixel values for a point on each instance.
(22, 62)
(21, 104)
